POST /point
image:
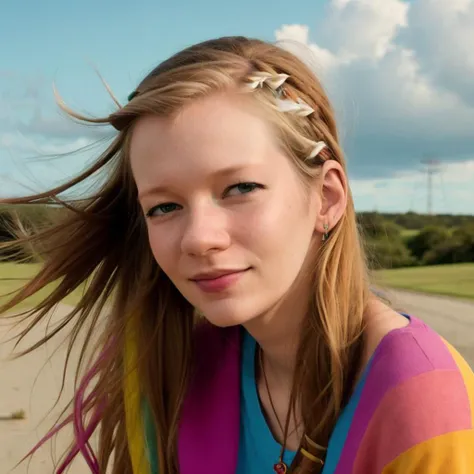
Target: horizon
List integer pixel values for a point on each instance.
(399, 74)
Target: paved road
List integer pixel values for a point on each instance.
(452, 318)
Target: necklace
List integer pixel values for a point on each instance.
(280, 466)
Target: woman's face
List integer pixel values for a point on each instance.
(228, 219)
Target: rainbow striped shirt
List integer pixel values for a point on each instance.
(412, 411)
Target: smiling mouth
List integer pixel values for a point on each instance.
(220, 281)
(217, 274)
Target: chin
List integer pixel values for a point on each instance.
(224, 320)
(226, 315)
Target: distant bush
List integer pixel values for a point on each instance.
(414, 221)
(458, 248)
(384, 243)
(29, 218)
(427, 239)
(436, 239)
(374, 226)
(388, 253)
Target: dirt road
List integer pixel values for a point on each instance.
(450, 317)
(32, 383)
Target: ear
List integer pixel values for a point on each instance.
(333, 190)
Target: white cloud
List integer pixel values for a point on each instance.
(400, 75)
(353, 30)
(298, 33)
(35, 164)
(296, 39)
(34, 137)
(19, 143)
(452, 190)
(340, 4)
(442, 35)
(364, 28)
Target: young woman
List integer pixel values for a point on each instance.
(226, 277)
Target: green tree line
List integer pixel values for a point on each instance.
(391, 240)
(404, 240)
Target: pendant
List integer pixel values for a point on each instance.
(280, 468)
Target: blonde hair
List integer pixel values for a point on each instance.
(123, 274)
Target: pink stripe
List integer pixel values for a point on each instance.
(402, 354)
(426, 406)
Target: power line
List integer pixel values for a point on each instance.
(431, 167)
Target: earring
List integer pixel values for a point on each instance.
(326, 233)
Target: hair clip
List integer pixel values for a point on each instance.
(298, 107)
(132, 95)
(273, 81)
(318, 148)
(286, 101)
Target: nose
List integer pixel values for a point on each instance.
(205, 230)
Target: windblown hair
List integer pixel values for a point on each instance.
(101, 243)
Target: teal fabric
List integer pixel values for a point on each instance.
(258, 450)
(339, 435)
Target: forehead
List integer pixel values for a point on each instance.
(211, 133)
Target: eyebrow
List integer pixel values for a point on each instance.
(230, 170)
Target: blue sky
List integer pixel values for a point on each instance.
(58, 40)
(400, 93)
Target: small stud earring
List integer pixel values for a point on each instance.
(326, 233)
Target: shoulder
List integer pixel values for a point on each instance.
(418, 389)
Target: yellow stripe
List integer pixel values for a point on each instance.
(449, 453)
(132, 401)
(467, 375)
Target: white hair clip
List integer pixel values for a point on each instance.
(274, 81)
(300, 107)
(284, 101)
(318, 148)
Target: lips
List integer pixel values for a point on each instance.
(218, 281)
(205, 276)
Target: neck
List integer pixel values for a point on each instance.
(277, 332)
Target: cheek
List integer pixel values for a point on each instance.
(162, 248)
(282, 226)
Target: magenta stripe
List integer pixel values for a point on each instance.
(444, 408)
(400, 355)
(208, 437)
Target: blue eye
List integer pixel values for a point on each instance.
(238, 189)
(243, 188)
(162, 209)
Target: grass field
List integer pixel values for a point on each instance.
(14, 275)
(450, 280)
(407, 233)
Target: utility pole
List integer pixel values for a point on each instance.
(431, 168)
